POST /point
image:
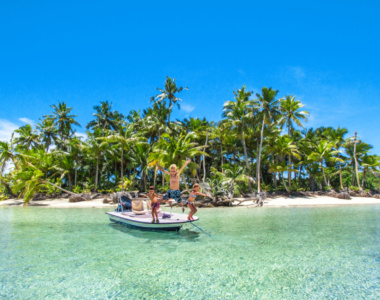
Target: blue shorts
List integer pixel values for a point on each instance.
(173, 194)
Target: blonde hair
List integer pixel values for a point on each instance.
(173, 166)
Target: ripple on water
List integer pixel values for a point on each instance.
(268, 253)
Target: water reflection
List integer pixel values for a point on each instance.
(185, 234)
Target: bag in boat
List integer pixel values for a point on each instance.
(166, 216)
(125, 204)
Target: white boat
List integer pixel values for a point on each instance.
(167, 221)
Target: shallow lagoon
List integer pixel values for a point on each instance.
(268, 253)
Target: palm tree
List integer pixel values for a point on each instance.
(370, 163)
(63, 119)
(283, 146)
(174, 150)
(290, 109)
(27, 137)
(238, 113)
(140, 157)
(105, 118)
(323, 152)
(356, 149)
(336, 136)
(169, 92)
(95, 148)
(269, 110)
(231, 176)
(281, 168)
(125, 137)
(47, 131)
(154, 120)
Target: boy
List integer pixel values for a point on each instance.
(155, 204)
(174, 192)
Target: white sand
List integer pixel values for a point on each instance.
(272, 202)
(59, 203)
(313, 201)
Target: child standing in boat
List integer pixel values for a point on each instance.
(155, 204)
(174, 193)
(191, 199)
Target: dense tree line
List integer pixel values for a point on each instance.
(261, 144)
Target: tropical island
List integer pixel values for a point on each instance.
(261, 148)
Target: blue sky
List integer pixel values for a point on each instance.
(83, 52)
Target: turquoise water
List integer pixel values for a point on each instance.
(266, 253)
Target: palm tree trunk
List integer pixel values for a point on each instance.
(183, 179)
(221, 156)
(122, 168)
(246, 157)
(340, 175)
(96, 173)
(283, 181)
(204, 159)
(69, 177)
(290, 162)
(274, 175)
(155, 177)
(66, 191)
(75, 173)
(324, 175)
(356, 165)
(364, 174)
(299, 176)
(258, 164)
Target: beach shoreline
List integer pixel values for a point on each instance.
(313, 201)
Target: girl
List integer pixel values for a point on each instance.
(190, 201)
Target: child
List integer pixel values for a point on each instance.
(155, 204)
(190, 201)
(174, 192)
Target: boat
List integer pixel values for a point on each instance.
(168, 222)
(126, 215)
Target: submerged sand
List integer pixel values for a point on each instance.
(272, 202)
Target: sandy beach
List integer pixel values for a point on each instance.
(272, 202)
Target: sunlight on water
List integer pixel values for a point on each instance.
(268, 253)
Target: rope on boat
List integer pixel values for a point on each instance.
(201, 229)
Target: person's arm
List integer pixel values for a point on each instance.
(160, 168)
(186, 163)
(204, 195)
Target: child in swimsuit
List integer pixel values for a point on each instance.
(155, 204)
(174, 193)
(191, 199)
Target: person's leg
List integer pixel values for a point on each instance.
(156, 211)
(189, 216)
(194, 211)
(152, 215)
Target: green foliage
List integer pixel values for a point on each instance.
(354, 188)
(123, 152)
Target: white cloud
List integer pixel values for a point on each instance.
(27, 121)
(187, 108)
(81, 135)
(6, 129)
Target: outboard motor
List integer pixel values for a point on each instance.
(125, 204)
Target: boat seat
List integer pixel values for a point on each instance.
(138, 207)
(149, 206)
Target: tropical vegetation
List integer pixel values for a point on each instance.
(260, 144)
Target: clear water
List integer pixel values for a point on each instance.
(268, 253)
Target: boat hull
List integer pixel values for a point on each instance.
(144, 221)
